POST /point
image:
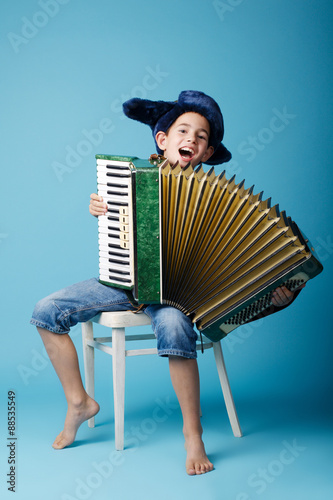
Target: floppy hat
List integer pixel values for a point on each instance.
(160, 115)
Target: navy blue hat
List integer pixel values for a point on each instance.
(160, 115)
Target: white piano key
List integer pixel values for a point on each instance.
(109, 163)
(112, 232)
(105, 187)
(105, 240)
(111, 261)
(111, 246)
(119, 190)
(103, 178)
(110, 252)
(109, 221)
(114, 198)
(109, 278)
(115, 259)
(106, 266)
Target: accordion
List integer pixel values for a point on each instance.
(196, 241)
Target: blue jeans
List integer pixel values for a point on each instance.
(80, 302)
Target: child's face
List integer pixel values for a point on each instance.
(187, 140)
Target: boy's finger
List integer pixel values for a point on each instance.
(98, 204)
(98, 207)
(281, 296)
(95, 196)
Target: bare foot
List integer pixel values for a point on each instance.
(76, 415)
(197, 461)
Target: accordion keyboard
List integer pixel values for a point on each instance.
(115, 233)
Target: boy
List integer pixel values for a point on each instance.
(188, 130)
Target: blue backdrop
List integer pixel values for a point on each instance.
(67, 66)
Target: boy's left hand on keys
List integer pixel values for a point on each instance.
(282, 296)
(97, 206)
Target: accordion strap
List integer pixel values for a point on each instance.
(139, 307)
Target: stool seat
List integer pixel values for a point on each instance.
(119, 321)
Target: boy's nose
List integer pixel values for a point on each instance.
(191, 138)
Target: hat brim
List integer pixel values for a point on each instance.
(221, 155)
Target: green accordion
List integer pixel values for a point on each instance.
(196, 241)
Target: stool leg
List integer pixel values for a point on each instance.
(89, 361)
(118, 363)
(228, 399)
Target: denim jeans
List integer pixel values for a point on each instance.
(80, 302)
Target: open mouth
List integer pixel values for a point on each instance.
(186, 153)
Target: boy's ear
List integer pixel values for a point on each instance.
(160, 138)
(208, 154)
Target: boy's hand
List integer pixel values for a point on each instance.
(282, 296)
(97, 206)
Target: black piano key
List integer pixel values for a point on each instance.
(123, 186)
(119, 262)
(116, 278)
(117, 193)
(118, 271)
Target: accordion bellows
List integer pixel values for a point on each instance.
(220, 250)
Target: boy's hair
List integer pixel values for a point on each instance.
(160, 115)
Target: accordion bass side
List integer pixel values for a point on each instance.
(196, 241)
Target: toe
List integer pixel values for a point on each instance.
(190, 471)
(198, 468)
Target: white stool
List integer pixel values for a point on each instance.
(118, 321)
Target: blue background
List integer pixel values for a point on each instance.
(66, 67)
